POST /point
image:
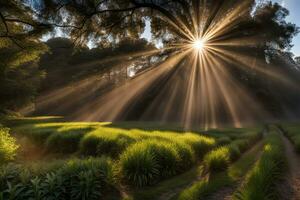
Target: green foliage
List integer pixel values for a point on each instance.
(200, 144)
(293, 133)
(144, 163)
(64, 142)
(204, 188)
(103, 143)
(36, 136)
(148, 161)
(261, 181)
(223, 140)
(139, 167)
(217, 160)
(8, 146)
(75, 179)
(234, 152)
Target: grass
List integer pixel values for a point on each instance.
(169, 185)
(207, 186)
(217, 160)
(261, 181)
(140, 155)
(149, 161)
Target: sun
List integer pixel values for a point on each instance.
(199, 45)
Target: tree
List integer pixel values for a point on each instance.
(239, 28)
(19, 53)
(297, 60)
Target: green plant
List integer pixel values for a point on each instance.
(37, 136)
(63, 142)
(202, 189)
(200, 144)
(146, 162)
(217, 160)
(103, 143)
(13, 191)
(186, 155)
(261, 181)
(88, 186)
(139, 165)
(223, 140)
(234, 152)
(53, 186)
(35, 191)
(8, 146)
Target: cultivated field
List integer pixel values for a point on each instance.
(48, 158)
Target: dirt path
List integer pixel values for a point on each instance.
(291, 190)
(226, 192)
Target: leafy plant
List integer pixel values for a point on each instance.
(87, 187)
(261, 181)
(8, 146)
(53, 186)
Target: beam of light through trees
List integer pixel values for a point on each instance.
(196, 84)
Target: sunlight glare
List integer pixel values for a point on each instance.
(199, 45)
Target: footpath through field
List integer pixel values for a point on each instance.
(291, 190)
(224, 193)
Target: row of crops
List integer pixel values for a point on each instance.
(100, 161)
(261, 179)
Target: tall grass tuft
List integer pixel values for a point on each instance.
(217, 160)
(63, 142)
(144, 163)
(200, 144)
(104, 143)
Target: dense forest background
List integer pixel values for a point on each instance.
(58, 76)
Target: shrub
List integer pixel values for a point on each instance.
(234, 152)
(186, 155)
(200, 144)
(8, 146)
(144, 163)
(36, 136)
(139, 165)
(102, 143)
(223, 141)
(217, 160)
(63, 142)
(242, 144)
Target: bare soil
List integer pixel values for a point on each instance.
(226, 192)
(290, 188)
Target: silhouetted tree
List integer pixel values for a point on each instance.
(297, 60)
(19, 52)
